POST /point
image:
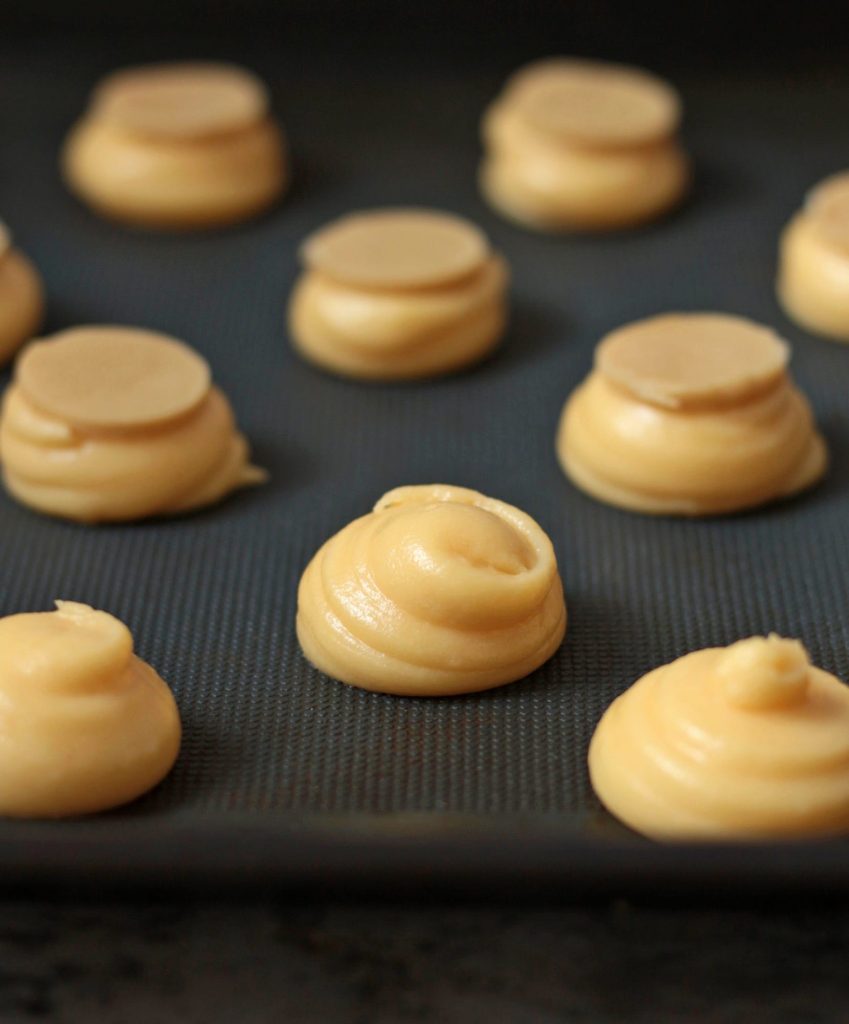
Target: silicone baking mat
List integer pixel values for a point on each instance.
(286, 776)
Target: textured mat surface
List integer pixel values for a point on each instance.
(211, 598)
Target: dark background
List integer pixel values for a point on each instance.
(708, 34)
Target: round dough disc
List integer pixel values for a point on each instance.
(828, 206)
(113, 377)
(687, 359)
(396, 248)
(181, 101)
(595, 104)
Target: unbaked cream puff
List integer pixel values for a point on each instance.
(583, 145)
(813, 271)
(177, 146)
(116, 423)
(439, 590)
(690, 414)
(21, 297)
(398, 293)
(742, 742)
(85, 725)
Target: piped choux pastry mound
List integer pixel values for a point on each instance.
(440, 590)
(21, 298)
(813, 273)
(177, 146)
(85, 725)
(742, 742)
(690, 414)
(115, 423)
(398, 293)
(583, 145)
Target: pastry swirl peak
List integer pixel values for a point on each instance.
(438, 590)
(745, 741)
(765, 672)
(85, 725)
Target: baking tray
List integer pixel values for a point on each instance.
(287, 778)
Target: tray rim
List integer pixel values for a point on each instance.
(550, 856)
(415, 855)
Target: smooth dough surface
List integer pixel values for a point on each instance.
(813, 275)
(742, 742)
(70, 446)
(398, 294)
(439, 590)
(177, 146)
(21, 298)
(572, 145)
(690, 432)
(85, 725)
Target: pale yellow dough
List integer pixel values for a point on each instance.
(115, 423)
(813, 273)
(21, 298)
(396, 293)
(85, 725)
(742, 742)
(177, 146)
(690, 414)
(583, 145)
(438, 591)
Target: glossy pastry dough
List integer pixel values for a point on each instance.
(747, 741)
(583, 145)
(438, 591)
(690, 414)
(397, 294)
(813, 276)
(85, 725)
(177, 146)
(108, 423)
(21, 298)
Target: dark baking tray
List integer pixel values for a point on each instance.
(290, 779)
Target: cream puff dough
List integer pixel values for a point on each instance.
(690, 414)
(742, 742)
(583, 145)
(187, 145)
(813, 273)
(85, 725)
(115, 423)
(398, 293)
(439, 590)
(21, 297)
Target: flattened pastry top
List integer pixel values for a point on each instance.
(686, 359)
(594, 103)
(396, 248)
(180, 101)
(113, 377)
